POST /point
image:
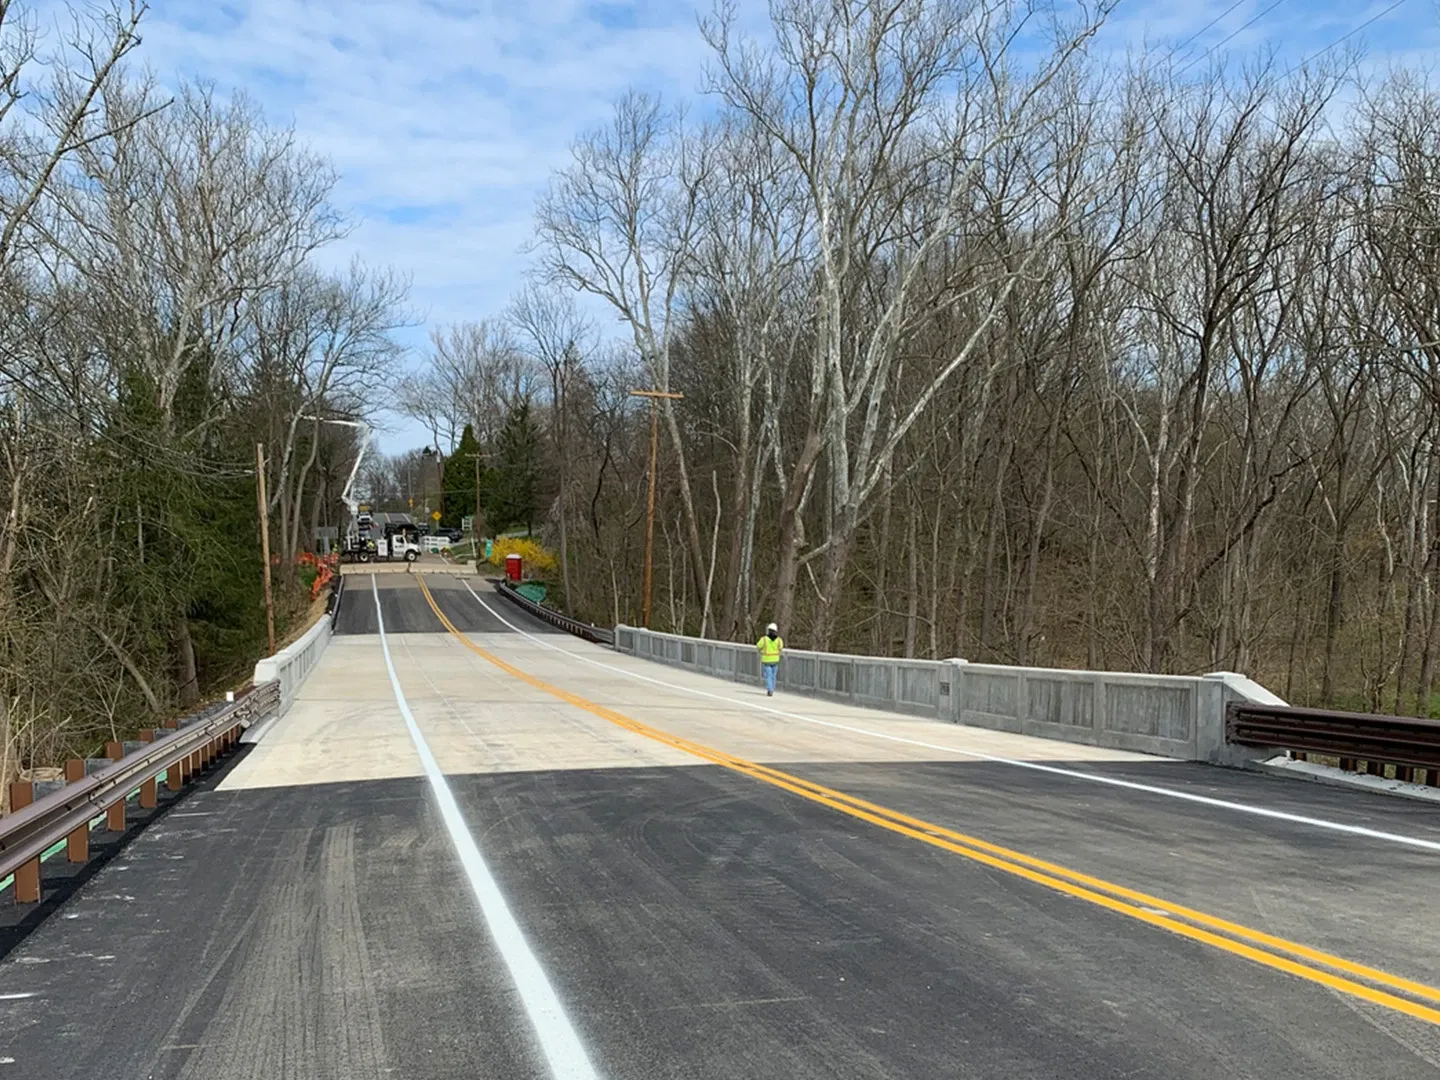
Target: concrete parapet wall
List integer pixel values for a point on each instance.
(292, 664)
(910, 686)
(1176, 716)
(422, 567)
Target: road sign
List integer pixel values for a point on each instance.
(435, 514)
(467, 523)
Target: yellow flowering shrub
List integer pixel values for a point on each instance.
(536, 559)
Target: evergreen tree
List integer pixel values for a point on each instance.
(512, 493)
(459, 478)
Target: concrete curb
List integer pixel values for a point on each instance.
(1339, 778)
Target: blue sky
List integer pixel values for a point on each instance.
(445, 117)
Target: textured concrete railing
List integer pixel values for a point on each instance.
(913, 686)
(1178, 716)
(292, 664)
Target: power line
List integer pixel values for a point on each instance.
(1230, 36)
(1348, 35)
(1186, 43)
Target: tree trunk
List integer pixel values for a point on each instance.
(1037, 532)
(292, 541)
(912, 609)
(696, 547)
(837, 561)
(1334, 615)
(125, 661)
(879, 639)
(1427, 658)
(792, 532)
(935, 590)
(187, 680)
(993, 524)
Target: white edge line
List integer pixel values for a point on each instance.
(560, 1043)
(1112, 781)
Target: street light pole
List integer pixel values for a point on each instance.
(655, 396)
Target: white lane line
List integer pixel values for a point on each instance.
(1112, 781)
(558, 1039)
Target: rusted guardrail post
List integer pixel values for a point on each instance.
(27, 877)
(175, 774)
(77, 844)
(149, 796)
(115, 816)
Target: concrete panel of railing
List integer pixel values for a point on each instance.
(293, 664)
(1155, 714)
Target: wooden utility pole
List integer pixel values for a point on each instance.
(265, 543)
(477, 521)
(655, 396)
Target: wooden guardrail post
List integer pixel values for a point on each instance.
(115, 816)
(149, 796)
(77, 844)
(175, 774)
(27, 878)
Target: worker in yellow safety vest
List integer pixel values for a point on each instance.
(770, 646)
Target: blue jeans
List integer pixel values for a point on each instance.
(769, 670)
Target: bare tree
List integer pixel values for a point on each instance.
(558, 337)
(476, 371)
(619, 223)
(901, 118)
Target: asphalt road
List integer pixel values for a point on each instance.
(696, 922)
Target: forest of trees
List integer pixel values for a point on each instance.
(162, 313)
(992, 347)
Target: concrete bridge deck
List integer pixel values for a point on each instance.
(479, 848)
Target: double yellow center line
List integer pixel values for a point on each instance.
(1334, 972)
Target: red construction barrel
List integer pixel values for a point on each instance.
(512, 566)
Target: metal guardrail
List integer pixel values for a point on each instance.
(1407, 743)
(65, 814)
(598, 634)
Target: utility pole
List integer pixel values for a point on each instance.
(477, 520)
(265, 543)
(655, 396)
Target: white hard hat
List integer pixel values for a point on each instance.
(772, 626)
